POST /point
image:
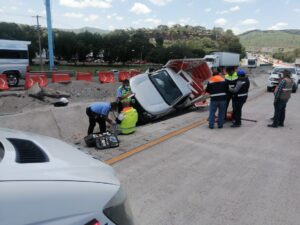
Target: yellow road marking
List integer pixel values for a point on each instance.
(155, 142)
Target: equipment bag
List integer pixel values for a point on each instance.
(106, 140)
(90, 140)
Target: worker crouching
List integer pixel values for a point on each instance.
(240, 95)
(127, 119)
(217, 88)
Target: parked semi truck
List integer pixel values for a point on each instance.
(220, 60)
(14, 60)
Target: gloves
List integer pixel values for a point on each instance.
(121, 117)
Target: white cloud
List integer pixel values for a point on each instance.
(86, 3)
(278, 26)
(153, 21)
(111, 28)
(207, 9)
(114, 16)
(91, 17)
(73, 15)
(296, 10)
(234, 9)
(1, 10)
(257, 11)
(139, 8)
(220, 22)
(13, 8)
(160, 2)
(249, 22)
(237, 1)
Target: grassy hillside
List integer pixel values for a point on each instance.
(256, 40)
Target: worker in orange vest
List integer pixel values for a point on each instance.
(217, 88)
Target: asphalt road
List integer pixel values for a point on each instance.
(248, 175)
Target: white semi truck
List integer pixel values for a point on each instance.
(221, 60)
(14, 60)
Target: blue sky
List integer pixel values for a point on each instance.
(238, 15)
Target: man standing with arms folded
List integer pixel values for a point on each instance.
(217, 88)
(282, 95)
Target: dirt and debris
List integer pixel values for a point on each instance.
(76, 91)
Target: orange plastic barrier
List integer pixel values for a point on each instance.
(86, 76)
(32, 78)
(106, 77)
(123, 75)
(134, 73)
(3, 82)
(61, 78)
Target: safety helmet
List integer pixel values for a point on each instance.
(241, 73)
(64, 100)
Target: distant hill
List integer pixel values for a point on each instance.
(89, 29)
(271, 39)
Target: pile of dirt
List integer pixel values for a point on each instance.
(80, 91)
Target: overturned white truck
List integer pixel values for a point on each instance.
(177, 85)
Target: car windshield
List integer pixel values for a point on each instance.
(280, 70)
(166, 87)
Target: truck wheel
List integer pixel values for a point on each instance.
(269, 89)
(12, 79)
(295, 88)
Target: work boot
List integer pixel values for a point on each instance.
(235, 125)
(272, 125)
(281, 125)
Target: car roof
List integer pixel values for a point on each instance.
(65, 162)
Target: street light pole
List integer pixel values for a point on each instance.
(39, 37)
(50, 37)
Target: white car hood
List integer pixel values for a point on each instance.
(66, 163)
(147, 95)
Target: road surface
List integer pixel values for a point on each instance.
(230, 176)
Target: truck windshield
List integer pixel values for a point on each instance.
(251, 61)
(209, 60)
(166, 87)
(13, 54)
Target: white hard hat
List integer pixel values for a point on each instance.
(64, 100)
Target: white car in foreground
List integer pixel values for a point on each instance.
(276, 75)
(44, 181)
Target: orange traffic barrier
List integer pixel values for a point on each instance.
(86, 76)
(3, 82)
(123, 75)
(134, 73)
(32, 78)
(106, 77)
(61, 77)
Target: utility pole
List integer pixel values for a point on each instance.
(50, 36)
(39, 37)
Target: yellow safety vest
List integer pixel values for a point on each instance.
(128, 124)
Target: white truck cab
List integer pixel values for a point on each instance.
(14, 60)
(175, 86)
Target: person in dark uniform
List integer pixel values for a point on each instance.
(98, 113)
(217, 88)
(231, 79)
(240, 95)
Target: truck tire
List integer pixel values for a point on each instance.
(12, 79)
(295, 88)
